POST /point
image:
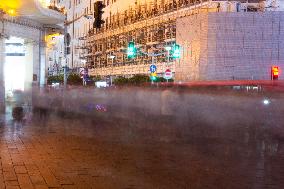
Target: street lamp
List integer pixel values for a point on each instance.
(112, 57)
(64, 64)
(66, 24)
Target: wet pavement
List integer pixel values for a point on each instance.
(132, 138)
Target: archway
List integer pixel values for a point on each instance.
(18, 67)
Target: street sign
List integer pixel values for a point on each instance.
(168, 74)
(83, 72)
(153, 68)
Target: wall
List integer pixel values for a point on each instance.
(226, 46)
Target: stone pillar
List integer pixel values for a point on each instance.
(42, 63)
(2, 81)
(29, 59)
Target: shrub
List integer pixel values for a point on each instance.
(74, 79)
(55, 79)
(120, 81)
(95, 78)
(138, 79)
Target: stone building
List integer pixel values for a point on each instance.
(230, 46)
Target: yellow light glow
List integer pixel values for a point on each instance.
(11, 12)
(10, 6)
(13, 4)
(51, 36)
(50, 39)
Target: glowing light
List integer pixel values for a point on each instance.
(131, 50)
(14, 67)
(50, 39)
(11, 12)
(51, 36)
(275, 70)
(101, 108)
(10, 6)
(176, 51)
(168, 48)
(266, 101)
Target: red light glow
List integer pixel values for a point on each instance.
(275, 70)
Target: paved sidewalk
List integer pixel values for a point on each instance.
(54, 152)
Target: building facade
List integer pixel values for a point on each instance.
(230, 46)
(78, 24)
(23, 28)
(153, 26)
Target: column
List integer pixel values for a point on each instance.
(29, 61)
(2, 81)
(43, 57)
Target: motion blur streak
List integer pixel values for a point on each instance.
(208, 137)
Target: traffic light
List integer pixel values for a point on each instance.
(98, 14)
(176, 51)
(274, 72)
(131, 50)
(153, 76)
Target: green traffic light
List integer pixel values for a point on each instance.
(153, 78)
(176, 51)
(131, 50)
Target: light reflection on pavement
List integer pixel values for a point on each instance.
(152, 138)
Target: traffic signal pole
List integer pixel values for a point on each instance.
(152, 81)
(66, 24)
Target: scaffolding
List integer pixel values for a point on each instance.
(151, 26)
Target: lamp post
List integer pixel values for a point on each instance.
(168, 48)
(112, 57)
(66, 24)
(64, 64)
